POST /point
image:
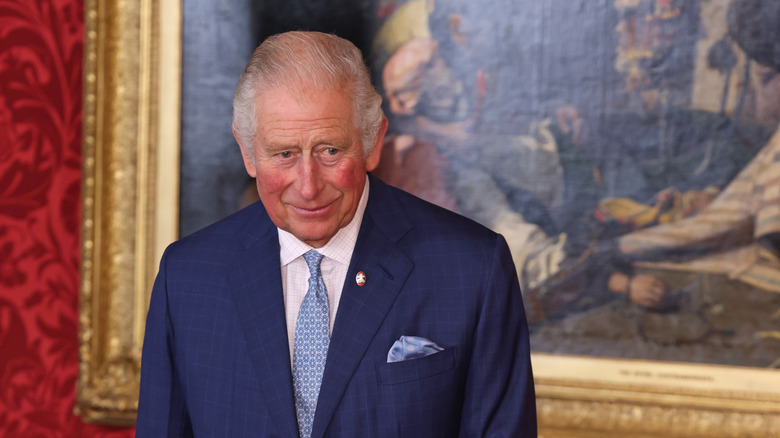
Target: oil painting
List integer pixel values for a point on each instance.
(625, 149)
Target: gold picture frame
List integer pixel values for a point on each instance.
(131, 111)
(644, 399)
(132, 79)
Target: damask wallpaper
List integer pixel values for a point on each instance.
(41, 44)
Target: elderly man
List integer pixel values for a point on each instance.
(336, 306)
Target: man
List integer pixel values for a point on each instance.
(336, 306)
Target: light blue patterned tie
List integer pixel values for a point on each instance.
(312, 336)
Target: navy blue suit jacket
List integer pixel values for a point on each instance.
(216, 359)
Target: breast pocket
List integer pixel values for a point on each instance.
(417, 369)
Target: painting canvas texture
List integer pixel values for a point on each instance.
(626, 149)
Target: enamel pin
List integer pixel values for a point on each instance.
(360, 278)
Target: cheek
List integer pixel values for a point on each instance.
(348, 177)
(271, 183)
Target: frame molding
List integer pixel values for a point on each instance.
(131, 113)
(615, 398)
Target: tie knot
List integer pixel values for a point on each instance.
(313, 259)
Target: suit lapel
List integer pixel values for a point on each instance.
(257, 291)
(362, 309)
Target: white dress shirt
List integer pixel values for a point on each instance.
(295, 272)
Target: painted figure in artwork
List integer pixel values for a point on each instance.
(571, 192)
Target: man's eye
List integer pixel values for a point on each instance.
(331, 151)
(285, 154)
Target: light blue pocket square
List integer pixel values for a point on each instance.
(411, 347)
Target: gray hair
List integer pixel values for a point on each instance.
(307, 59)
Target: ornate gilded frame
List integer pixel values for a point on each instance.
(592, 397)
(130, 193)
(131, 113)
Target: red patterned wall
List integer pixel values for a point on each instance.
(41, 44)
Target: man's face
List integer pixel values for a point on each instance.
(309, 161)
(641, 45)
(656, 42)
(403, 75)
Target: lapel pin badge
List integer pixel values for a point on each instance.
(360, 278)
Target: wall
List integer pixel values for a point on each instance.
(41, 44)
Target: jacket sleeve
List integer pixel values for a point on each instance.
(161, 406)
(499, 394)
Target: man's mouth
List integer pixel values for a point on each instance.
(312, 211)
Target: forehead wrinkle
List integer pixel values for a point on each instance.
(300, 116)
(290, 135)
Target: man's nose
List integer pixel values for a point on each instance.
(308, 178)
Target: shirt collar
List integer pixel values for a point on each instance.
(338, 248)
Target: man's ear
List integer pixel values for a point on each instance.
(372, 161)
(249, 163)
